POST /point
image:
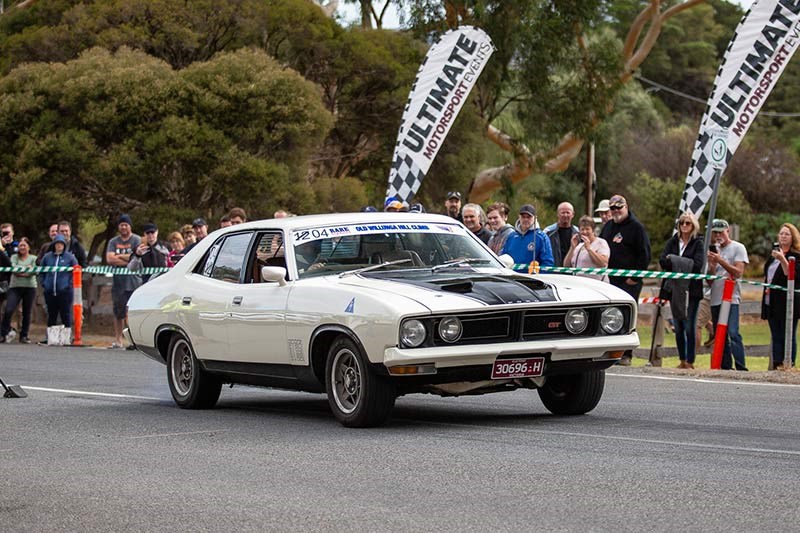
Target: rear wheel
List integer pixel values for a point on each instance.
(574, 394)
(190, 385)
(357, 396)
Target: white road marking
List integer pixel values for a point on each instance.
(156, 435)
(90, 393)
(703, 380)
(675, 444)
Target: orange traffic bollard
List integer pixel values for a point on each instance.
(77, 304)
(721, 335)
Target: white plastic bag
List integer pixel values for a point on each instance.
(59, 335)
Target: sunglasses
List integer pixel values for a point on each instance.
(616, 207)
(685, 222)
(454, 194)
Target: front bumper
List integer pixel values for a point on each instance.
(579, 349)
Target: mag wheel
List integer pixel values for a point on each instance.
(190, 385)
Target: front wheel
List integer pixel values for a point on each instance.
(190, 385)
(357, 396)
(574, 394)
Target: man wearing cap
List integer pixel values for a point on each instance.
(727, 259)
(118, 254)
(561, 232)
(452, 205)
(528, 243)
(150, 253)
(603, 211)
(200, 228)
(630, 249)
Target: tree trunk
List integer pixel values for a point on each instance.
(558, 158)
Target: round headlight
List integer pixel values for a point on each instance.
(450, 329)
(612, 320)
(412, 333)
(576, 321)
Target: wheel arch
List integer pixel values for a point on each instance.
(320, 342)
(162, 337)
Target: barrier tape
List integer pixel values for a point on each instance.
(109, 270)
(650, 274)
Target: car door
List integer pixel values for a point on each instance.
(205, 304)
(257, 319)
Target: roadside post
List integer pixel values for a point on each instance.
(721, 335)
(77, 304)
(788, 337)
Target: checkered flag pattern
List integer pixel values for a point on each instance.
(405, 178)
(700, 181)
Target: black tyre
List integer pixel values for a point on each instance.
(190, 385)
(574, 394)
(357, 396)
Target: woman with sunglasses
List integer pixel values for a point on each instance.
(773, 302)
(684, 252)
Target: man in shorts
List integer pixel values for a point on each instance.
(118, 254)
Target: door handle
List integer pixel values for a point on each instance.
(237, 300)
(187, 300)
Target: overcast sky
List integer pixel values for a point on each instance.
(351, 12)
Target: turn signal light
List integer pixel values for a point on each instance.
(412, 370)
(614, 355)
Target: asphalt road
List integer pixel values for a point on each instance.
(99, 446)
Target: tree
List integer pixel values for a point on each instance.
(125, 132)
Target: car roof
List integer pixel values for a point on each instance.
(334, 219)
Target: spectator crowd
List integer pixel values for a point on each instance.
(613, 239)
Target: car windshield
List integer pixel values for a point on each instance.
(338, 249)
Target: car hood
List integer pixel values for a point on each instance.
(473, 289)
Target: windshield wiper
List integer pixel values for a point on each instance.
(457, 263)
(375, 267)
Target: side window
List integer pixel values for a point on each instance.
(211, 256)
(230, 258)
(269, 251)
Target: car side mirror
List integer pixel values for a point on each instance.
(507, 260)
(274, 274)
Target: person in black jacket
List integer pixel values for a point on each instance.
(150, 253)
(685, 252)
(74, 246)
(630, 249)
(773, 303)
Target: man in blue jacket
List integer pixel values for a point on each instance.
(528, 243)
(57, 286)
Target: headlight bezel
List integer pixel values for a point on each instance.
(450, 320)
(604, 320)
(405, 338)
(568, 324)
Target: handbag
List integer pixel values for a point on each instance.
(3, 288)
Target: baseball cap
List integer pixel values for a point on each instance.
(454, 194)
(393, 205)
(529, 209)
(603, 206)
(719, 224)
(147, 228)
(617, 201)
(126, 219)
(199, 222)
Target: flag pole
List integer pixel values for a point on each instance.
(712, 211)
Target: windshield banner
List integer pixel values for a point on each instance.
(762, 45)
(330, 232)
(443, 84)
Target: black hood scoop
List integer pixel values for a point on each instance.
(491, 290)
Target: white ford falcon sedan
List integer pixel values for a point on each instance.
(366, 307)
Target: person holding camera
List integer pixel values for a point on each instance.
(727, 258)
(587, 250)
(773, 302)
(149, 253)
(684, 252)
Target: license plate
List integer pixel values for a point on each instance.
(518, 368)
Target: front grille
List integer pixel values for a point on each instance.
(520, 325)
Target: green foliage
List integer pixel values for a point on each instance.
(653, 201)
(125, 132)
